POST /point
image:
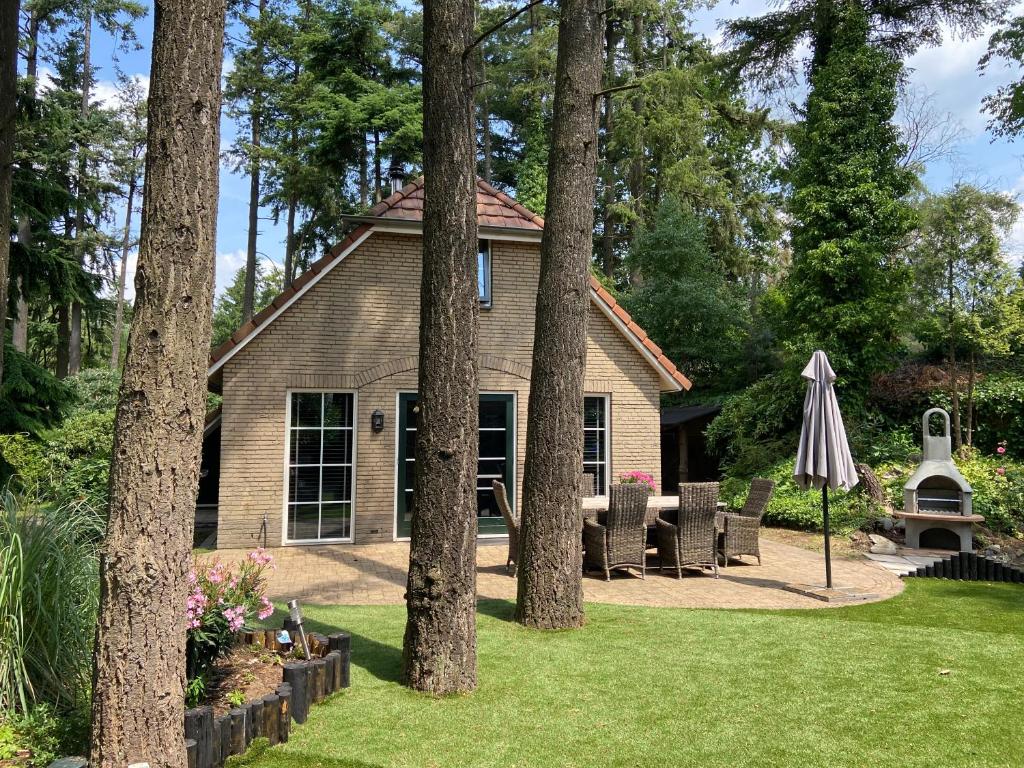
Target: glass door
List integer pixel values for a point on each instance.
(497, 459)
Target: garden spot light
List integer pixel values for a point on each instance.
(296, 616)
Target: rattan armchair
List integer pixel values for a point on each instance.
(622, 541)
(511, 523)
(741, 535)
(691, 541)
(588, 485)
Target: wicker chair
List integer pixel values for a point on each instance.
(742, 527)
(511, 523)
(622, 541)
(692, 539)
(588, 485)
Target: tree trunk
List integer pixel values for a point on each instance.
(20, 331)
(550, 584)
(972, 373)
(75, 339)
(954, 378)
(439, 651)
(378, 179)
(364, 177)
(126, 241)
(611, 38)
(63, 341)
(255, 118)
(289, 243)
(8, 115)
(486, 149)
(139, 661)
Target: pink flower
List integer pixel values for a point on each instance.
(260, 556)
(1001, 450)
(266, 608)
(1000, 470)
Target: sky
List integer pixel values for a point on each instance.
(948, 73)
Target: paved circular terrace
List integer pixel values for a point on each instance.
(375, 574)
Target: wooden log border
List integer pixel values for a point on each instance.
(210, 741)
(968, 566)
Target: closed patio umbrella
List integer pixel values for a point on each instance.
(823, 460)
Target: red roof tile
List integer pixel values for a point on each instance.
(493, 207)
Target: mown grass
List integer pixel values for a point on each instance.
(931, 677)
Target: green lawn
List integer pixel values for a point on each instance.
(859, 686)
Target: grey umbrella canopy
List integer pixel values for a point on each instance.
(823, 460)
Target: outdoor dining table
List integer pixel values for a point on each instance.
(596, 506)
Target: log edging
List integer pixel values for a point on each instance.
(210, 741)
(969, 566)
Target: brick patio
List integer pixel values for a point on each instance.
(375, 574)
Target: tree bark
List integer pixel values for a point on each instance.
(19, 334)
(611, 39)
(289, 242)
(439, 651)
(75, 337)
(550, 584)
(972, 372)
(126, 241)
(63, 341)
(8, 116)
(364, 177)
(139, 660)
(255, 119)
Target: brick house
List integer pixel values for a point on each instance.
(314, 440)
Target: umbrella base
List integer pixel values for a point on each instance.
(834, 595)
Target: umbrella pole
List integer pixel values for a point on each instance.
(828, 547)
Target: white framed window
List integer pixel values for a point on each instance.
(320, 479)
(596, 443)
(483, 272)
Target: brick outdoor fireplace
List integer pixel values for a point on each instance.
(937, 499)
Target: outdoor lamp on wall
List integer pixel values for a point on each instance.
(377, 421)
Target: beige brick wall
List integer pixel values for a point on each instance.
(357, 329)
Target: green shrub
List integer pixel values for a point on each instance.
(791, 507)
(95, 389)
(43, 732)
(68, 464)
(49, 585)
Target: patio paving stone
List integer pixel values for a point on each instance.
(375, 574)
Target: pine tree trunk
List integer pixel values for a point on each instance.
(378, 178)
(608, 165)
(126, 241)
(255, 118)
(972, 373)
(75, 338)
(289, 243)
(139, 661)
(439, 651)
(8, 115)
(63, 341)
(364, 177)
(550, 579)
(19, 336)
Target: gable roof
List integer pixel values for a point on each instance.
(407, 205)
(494, 209)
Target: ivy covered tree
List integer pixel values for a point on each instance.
(847, 290)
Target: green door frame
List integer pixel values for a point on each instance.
(491, 526)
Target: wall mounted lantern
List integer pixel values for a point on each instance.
(377, 421)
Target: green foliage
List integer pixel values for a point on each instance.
(1006, 105)
(684, 300)
(31, 398)
(227, 310)
(69, 464)
(94, 389)
(49, 589)
(847, 290)
(791, 507)
(759, 424)
(43, 732)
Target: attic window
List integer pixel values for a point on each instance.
(483, 274)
